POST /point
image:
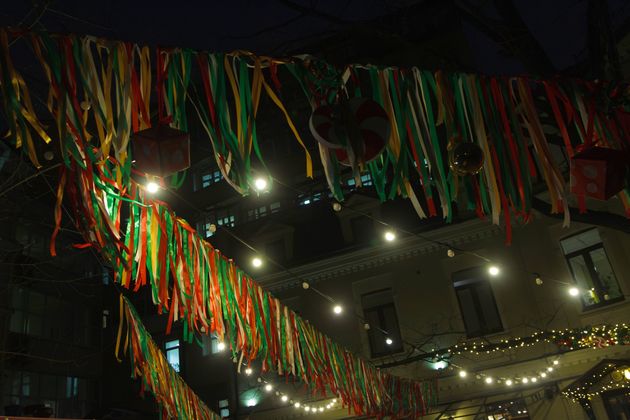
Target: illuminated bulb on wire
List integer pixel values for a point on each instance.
(389, 341)
(153, 187)
(493, 270)
(574, 291)
(543, 374)
(321, 409)
(549, 369)
(256, 262)
(307, 408)
(268, 387)
(248, 371)
(555, 362)
(462, 373)
(296, 405)
(509, 382)
(260, 184)
(284, 398)
(534, 379)
(488, 380)
(337, 309)
(221, 346)
(525, 380)
(389, 236)
(450, 253)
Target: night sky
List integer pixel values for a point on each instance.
(272, 27)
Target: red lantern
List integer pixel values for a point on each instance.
(598, 172)
(161, 150)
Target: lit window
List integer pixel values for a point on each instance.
(207, 178)
(366, 181)
(476, 302)
(258, 212)
(380, 314)
(224, 407)
(172, 354)
(591, 269)
(210, 345)
(72, 386)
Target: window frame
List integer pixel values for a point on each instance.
(606, 395)
(477, 277)
(396, 347)
(177, 347)
(585, 253)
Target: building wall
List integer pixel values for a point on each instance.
(419, 274)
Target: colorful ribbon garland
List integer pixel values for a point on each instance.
(173, 395)
(430, 112)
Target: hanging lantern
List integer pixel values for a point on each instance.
(466, 158)
(161, 150)
(598, 172)
(359, 126)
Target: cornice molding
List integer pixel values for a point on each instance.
(376, 256)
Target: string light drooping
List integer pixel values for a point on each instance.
(153, 187)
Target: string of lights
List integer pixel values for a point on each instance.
(619, 378)
(528, 378)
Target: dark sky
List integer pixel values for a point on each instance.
(559, 25)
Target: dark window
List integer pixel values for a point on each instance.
(476, 302)
(591, 269)
(617, 403)
(362, 229)
(275, 250)
(380, 314)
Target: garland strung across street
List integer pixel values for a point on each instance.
(598, 336)
(147, 243)
(148, 363)
(433, 137)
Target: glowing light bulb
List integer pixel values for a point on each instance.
(626, 374)
(525, 380)
(390, 236)
(462, 373)
(543, 374)
(153, 187)
(248, 371)
(268, 387)
(221, 346)
(549, 369)
(284, 398)
(574, 291)
(337, 309)
(489, 380)
(555, 362)
(260, 184)
(252, 402)
(307, 408)
(256, 262)
(321, 409)
(389, 341)
(534, 379)
(296, 405)
(493, 270)
(509, 382)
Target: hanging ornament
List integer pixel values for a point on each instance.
(161, 150)
(357, 127)
(466, 158)
(598, 172)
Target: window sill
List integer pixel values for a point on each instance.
(602, 308)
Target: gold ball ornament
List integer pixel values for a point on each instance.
(85, 105)
(465, 159)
